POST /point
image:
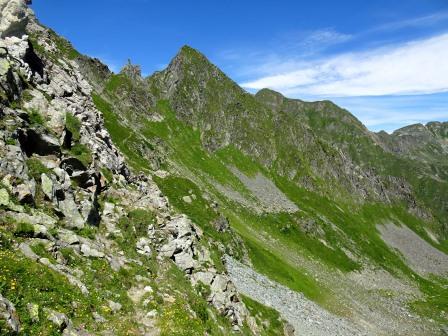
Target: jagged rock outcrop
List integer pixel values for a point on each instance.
(184, 248)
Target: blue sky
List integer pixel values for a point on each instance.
(385, 61)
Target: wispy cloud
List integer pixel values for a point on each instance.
(421, 21)
(304, 44)
(325, 37)
(311, 42)
(417, 67)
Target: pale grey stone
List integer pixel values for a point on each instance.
(187, 199)
(89, 251)
(68, 237)
(143, 246)
(25, 192)
(184, 261)
(70, 211)
(114, 306)
(219, 283)
(47, 186)
(168, 249)
(205, 278)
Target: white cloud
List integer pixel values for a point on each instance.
(417, 67)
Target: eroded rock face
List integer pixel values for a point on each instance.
(55, 89)
(14, 17)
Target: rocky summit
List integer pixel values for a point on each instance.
(157, 205)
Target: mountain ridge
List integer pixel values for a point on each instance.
(180, 204)
(342, 121)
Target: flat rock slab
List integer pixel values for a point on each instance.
(421, 256)
(305, 316)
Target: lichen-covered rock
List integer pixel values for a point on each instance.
(114, 306)
(71, 331)
(4, 197)
(68, 237)
(9, 315)
(221, 224)
(59, 319)
(205, 278)
(180, 226)
(37, 217)
(168, 249)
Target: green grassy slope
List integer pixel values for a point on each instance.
(342, 225)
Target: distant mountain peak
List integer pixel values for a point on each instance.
(187, 54)
(187, 50)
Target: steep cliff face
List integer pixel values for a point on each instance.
(179, 204)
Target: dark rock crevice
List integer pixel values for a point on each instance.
(33, 142)
(35, 63)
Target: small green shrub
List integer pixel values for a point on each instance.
(35, 117)
(204, 290)
(16, 104)
(87, 232)
(82, 153)
(200, 308)
(265, 314)
(27, 96)
(10, 141)
(24, 230)
(133, 226)
(141, 219)
(41, 251)
(70, 257)
(108, 175)
(136, 223)
(73, 125)
(36, 168)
